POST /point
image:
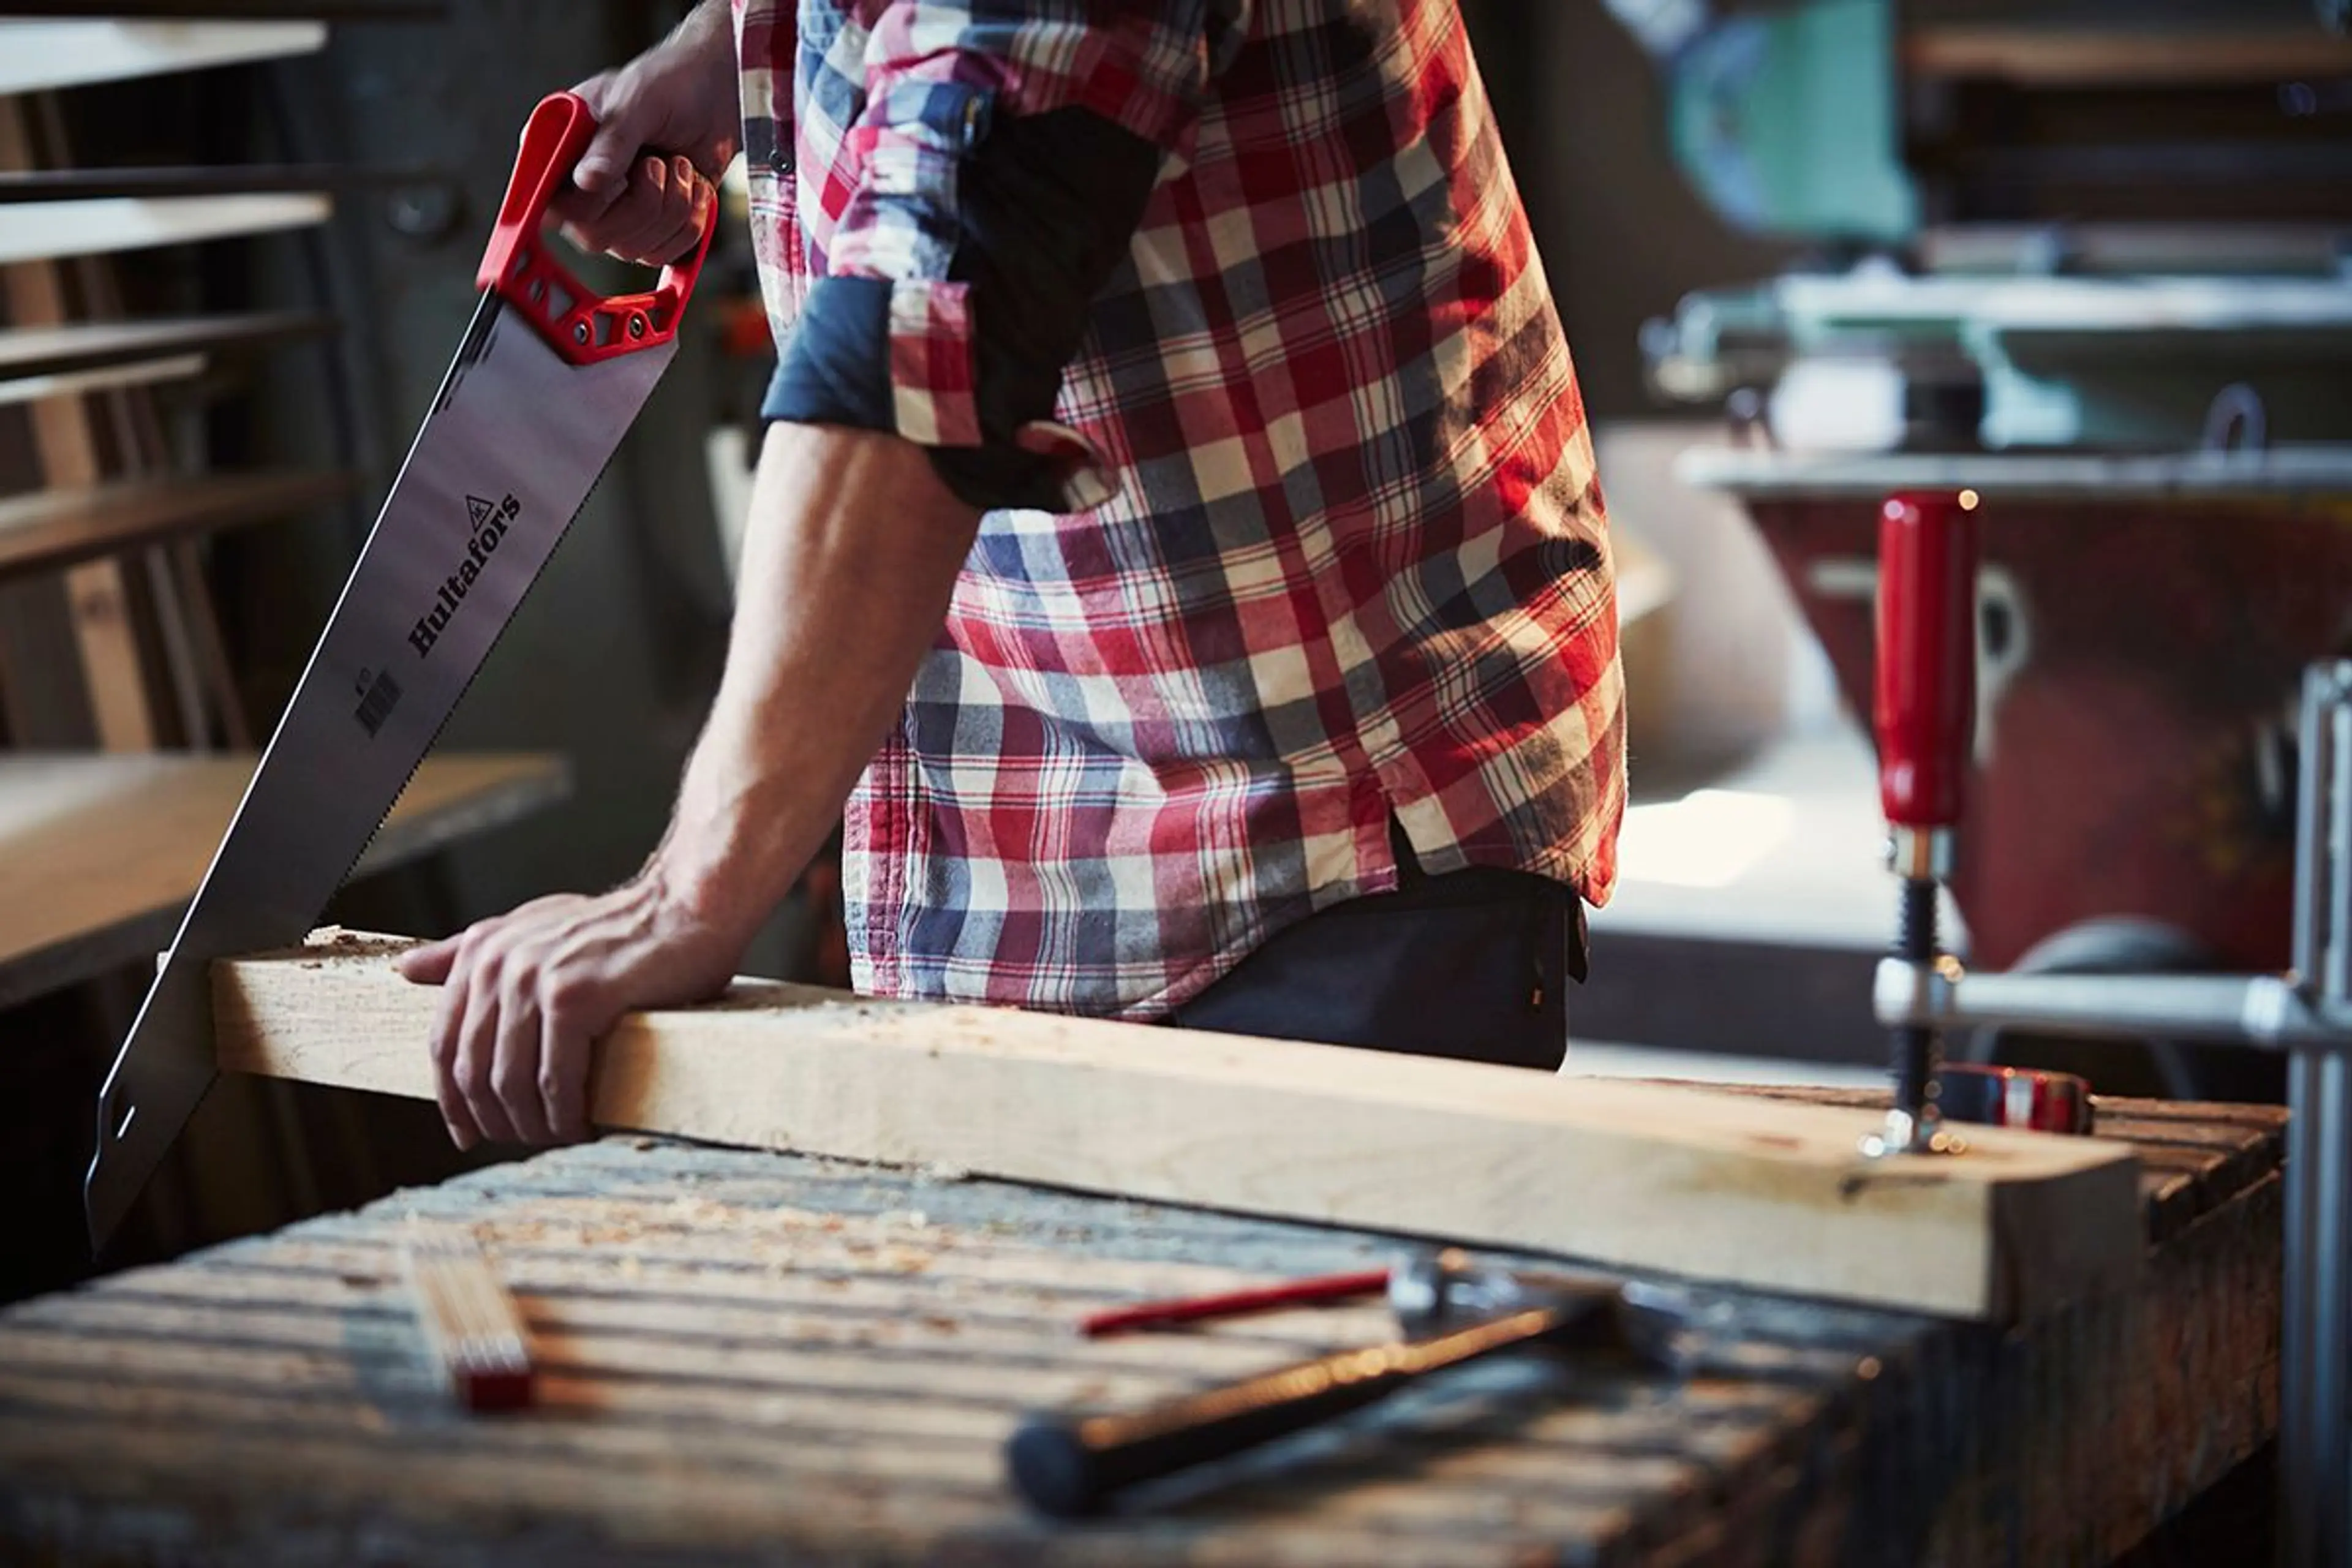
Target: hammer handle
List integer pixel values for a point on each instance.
(1069, 1466)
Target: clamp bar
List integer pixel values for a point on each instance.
(2266, 1011)
(2315, 1446)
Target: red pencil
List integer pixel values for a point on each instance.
(1296, 1292)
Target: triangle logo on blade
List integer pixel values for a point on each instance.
(480, 510)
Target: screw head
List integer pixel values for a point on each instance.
(636, 326)
(579, 334)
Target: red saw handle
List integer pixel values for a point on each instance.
(521, 266)
(1927, 665)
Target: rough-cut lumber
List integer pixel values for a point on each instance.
(1722, 1187)
(50, 529)
(99, 855)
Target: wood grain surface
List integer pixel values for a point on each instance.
(1632, 1175)
(38, 231)
(99, 855)
(758, 1358)
(66, 446)
(44, 56)
(2042, 56)
(76, 346)
(50, 529)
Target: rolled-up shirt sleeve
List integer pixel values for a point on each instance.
(1004, 156)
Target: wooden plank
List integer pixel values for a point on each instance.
(98, 597)
(125, 375)
(40, 56)
(186, 620)
(98, 856)
(2054, 57)
(150, 181)
(258, 10)
(104, 634)
(48, 231)
(1717, 1186)
(50, 529)
(74, 347)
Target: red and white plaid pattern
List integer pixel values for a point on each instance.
(1354, 562)
(931, 374)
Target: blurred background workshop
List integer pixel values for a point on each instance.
(2072, 278)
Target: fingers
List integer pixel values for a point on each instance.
(653, 218)
(515, 1064)
(563, 1070)
(513, 1035)
(429, 964)
(603, 167)
(448, 1024)
(686, 225)
(477, 1053)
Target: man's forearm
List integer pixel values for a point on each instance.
(849, 560)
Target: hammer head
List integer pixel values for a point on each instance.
(1432, 1293)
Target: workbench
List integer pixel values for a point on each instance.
(750, 1356)
(100, 854)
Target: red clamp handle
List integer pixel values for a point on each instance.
(521, 266)
(1925, 709)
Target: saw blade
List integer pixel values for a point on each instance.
(511, 448)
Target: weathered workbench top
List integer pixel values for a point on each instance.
(759, 1357)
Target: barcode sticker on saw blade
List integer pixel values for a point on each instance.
(378, 702)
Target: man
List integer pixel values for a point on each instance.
(1175, 539)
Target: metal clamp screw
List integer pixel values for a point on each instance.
(1902, 1136)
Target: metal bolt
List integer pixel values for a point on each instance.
(579, 334)
(636, 326)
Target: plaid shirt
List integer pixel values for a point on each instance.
(1303, 531)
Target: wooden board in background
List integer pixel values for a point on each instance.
(51, 53)
(125, 377)
(48, 231)
(1720, 1187)
(67, 450)
(2056, 57)
(77, 346)
(100, 856)
(47, 529)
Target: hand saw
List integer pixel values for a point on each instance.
(547, 380)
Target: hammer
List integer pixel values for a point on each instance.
(1449, 1315)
